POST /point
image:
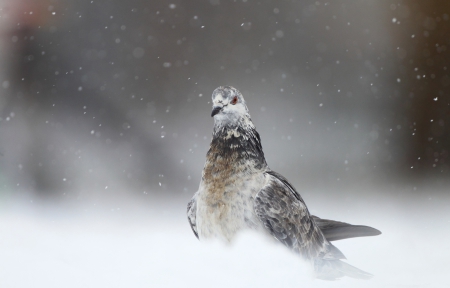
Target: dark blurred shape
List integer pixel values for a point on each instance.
(423, 61)
(61, 135)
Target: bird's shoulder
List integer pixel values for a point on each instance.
(278, 193)
(277, 180)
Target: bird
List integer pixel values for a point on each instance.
(238, 191)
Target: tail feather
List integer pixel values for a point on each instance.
(335, 230)
(335, 269)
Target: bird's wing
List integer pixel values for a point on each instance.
(335, 230)
(284, 214)
(192, 214)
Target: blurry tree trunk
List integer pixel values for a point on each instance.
(425, 37)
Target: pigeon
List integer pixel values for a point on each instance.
(239, 191)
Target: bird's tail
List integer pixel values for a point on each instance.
(334, 269)
(336, 230)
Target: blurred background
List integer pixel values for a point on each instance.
(105, 117)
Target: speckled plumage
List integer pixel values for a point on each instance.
(239, 191)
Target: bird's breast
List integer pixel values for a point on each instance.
(226, 198)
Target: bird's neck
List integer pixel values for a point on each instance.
(234, 157)
(237, 143)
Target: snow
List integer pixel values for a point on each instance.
(149, 244)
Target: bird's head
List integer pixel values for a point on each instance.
(228, 105)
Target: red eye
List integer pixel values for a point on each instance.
(235, 100)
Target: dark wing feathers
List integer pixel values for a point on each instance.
(192, 214)
(284, 214)
(335, 230)
(332, 230)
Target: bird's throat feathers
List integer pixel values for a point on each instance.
(237, 141)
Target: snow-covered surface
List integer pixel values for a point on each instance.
(149, 244)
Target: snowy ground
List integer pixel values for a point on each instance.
(151, 245)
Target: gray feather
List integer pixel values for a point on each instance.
(335, 230)
(191, 214)
(335, 269)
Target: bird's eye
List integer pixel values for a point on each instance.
(234, 101)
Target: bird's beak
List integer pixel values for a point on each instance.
(216, 110)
